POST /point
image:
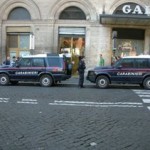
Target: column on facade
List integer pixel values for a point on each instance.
(98, 41)
(147, 42)
(0, 44)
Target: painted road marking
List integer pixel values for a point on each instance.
(145, 95)
(4, 100)
(148, 108)
(146, 100)
(27, 101)
(142, 92)
(96, 104)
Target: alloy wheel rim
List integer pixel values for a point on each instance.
(3, 80)
(46, 81)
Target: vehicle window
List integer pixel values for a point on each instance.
(127, 63)
(148, 63)
(54, 62)
(142, 63)
(25, 62)
(117, 63)
(38, 62)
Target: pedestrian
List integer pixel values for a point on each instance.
(81, 69)
(7, 61)
(101, 60)
(13, 61)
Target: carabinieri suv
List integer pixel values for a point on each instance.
(127, 70)
(47, 69)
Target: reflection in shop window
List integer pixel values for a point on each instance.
(24, 41)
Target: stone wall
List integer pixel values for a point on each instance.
(45, 24)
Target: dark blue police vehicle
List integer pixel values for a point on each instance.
(47, 69)
(130, 70)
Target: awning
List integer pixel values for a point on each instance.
(116, 19)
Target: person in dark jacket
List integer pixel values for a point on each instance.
(81, 69)
(7, 61)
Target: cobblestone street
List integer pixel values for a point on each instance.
(65, 117)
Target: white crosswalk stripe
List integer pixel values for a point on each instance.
(148, 108)
(146, 101)
(145, 95)
(4, 100)
(27, 101)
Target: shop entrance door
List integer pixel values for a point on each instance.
(74, 46)
(72, 41)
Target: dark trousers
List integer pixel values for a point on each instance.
(81, 79)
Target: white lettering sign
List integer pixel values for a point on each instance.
(26, 73)
(147, 10)
(127, 9)
(129, 73)
(137, 10)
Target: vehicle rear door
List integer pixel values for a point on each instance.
(142, 68)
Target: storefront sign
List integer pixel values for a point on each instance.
(133, 9)
(136, 10)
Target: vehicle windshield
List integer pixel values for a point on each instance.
(117, 63)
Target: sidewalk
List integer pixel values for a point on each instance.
(75, 79)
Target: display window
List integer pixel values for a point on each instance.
(128, 42)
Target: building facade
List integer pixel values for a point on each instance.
(78, 27)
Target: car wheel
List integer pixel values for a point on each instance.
(4, 79)
(46, 81)
(146, 83)
(102, 82)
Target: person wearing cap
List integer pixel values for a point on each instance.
(81, 69)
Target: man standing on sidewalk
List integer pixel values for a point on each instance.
(81, 68)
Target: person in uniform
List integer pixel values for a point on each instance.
(81, 69)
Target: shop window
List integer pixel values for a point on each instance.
(19, 13)
(13, 41)
(18, 44)
(72, 13)
(129, 42)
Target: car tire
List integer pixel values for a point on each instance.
(146, 83)
(102, 82)
(4, 79)
(46, 81)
